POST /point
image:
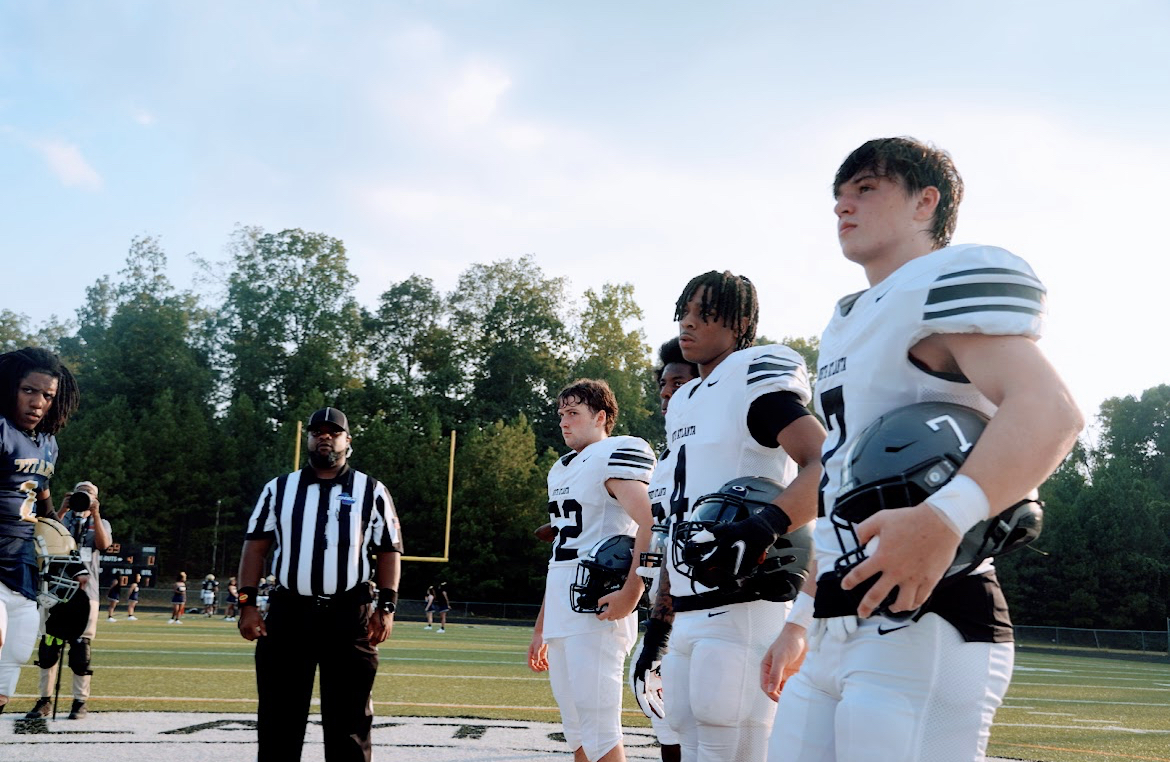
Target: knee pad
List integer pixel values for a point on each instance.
(875, 725)
(722, 687)
(48, 652)
(79, 657)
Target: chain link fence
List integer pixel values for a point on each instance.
(1144, 641)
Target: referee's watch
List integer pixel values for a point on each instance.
(387, 600)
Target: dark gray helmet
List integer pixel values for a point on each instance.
(784, 566)
(601, 571)
(906, 456)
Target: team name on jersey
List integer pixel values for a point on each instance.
(830, 369)
(685, 431)
(659, 492)
(33, 466)
(560, 491)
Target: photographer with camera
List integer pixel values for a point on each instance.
(74, 622)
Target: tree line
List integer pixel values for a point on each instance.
(190, 402)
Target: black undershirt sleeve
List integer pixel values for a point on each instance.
(771, 414)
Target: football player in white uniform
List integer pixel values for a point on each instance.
(673, 372)
(595, 492)
(956, 324)
(744, 416)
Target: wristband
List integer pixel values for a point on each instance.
(802, 611)
(776, 518)
(961, 503)
(246, 597)
(387, 600)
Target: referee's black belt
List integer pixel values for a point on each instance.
(355, 596)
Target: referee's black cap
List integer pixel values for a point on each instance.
(329, 415)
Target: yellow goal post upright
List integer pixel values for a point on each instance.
(447, 530)
(450, 486)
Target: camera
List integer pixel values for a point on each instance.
(79, 501)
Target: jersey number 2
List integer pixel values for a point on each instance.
(568, 509)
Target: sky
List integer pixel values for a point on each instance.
(615, 142)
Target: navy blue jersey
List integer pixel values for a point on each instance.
(26, 465)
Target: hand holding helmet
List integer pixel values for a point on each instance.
(734, 535)
(901, 461)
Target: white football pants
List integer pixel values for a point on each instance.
(711, 681)
(586, 672)
(918, 693)
(19, 622)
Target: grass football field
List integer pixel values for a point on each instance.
(1061, 708)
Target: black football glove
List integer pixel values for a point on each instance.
(645, 677)
(726, 554)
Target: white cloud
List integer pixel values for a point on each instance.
(67, 163)
(473, 97)
(142, 117)
(417, 40)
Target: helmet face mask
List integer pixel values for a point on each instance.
(601, 571)
(652, 559)
(782, 569)
(57, 562)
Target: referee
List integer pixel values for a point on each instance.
(324, 521)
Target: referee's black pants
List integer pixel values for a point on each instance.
(302, 634)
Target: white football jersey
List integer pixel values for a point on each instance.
(583, 513)
(708, 438)
(580, 507)
(864, 369)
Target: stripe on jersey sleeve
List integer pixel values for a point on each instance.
(632, 457)
(769, 366)
(985, 289)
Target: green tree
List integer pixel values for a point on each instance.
(1107, 527)
(291, 324)
(511, 343)
(500, 498)
(143, 432)
(610, 348)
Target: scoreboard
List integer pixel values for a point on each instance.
(122, 561)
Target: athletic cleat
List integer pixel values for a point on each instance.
(42, 708)
(441, 630)
(428, 627)
(131, 619)
(111, 619)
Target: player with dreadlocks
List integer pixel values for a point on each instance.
(731, 299)
(37, 396)
(744, 415)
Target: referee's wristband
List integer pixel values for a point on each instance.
(387, 600)
(961, 503)
(246, 597)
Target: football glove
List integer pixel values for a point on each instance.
(646, 676)
(729, 552)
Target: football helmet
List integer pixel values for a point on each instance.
(601, 571)
(905, 456)
(779, 573)
(655, 554)
(57, 562)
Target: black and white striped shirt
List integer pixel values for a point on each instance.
(325, 530)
